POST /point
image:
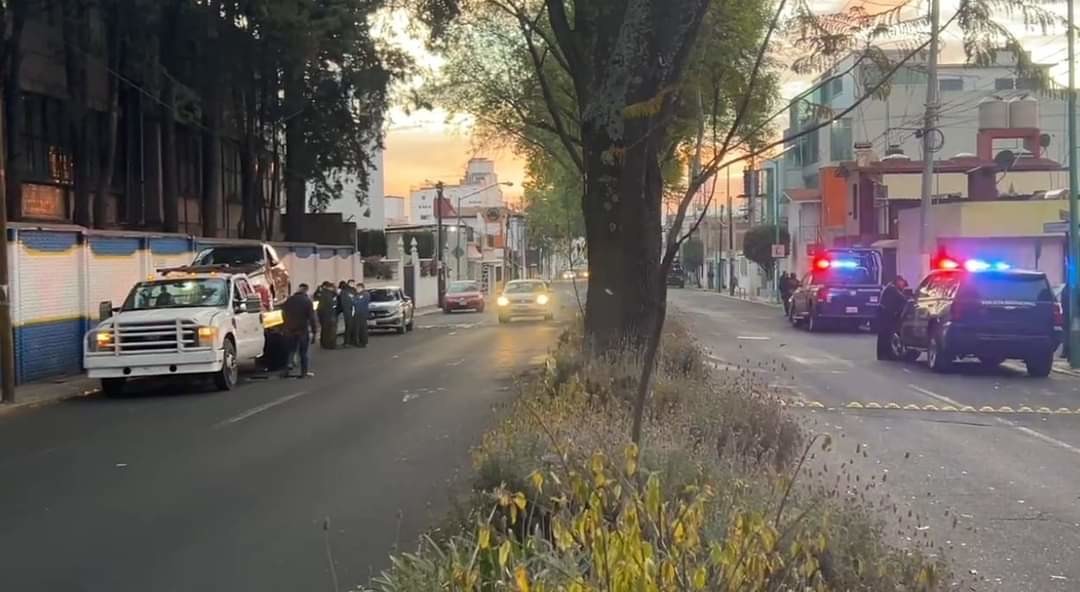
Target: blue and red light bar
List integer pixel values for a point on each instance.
(972, 265)
(825, 263)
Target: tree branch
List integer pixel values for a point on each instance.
(549, 100)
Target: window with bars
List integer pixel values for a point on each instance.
(47, 157)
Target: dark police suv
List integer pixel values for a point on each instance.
(982, 310)
(841, 290)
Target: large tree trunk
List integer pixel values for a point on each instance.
(295, 153)
(212, 116)
(13, 109)
(170, 189)
(108, 162)
(75, 30)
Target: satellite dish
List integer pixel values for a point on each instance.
(491, 214)
(1044, 140)
(1005, 159)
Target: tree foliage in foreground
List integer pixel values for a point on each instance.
(758, 242)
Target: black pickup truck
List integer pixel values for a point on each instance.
(840, 290)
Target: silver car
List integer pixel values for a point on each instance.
(526, 298)
(390, 308)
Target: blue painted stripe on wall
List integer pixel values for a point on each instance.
(169, 246)
(114, 246)
(47, 350)
(303, 252)
(49, 242)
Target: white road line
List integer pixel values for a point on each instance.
(753, 338)
(1001, 420)
(259, 409)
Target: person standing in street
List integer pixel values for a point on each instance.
(346, 294)
(892, 303)
(326, 297)
(786, 288)
(300, 327)
(361, 300)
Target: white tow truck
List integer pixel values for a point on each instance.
(186, 321)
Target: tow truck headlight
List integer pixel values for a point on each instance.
(205, 335)
(503, 301)
(542, 299)
(103, 340)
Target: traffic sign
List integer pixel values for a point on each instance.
(779, 251)
(1055, 227)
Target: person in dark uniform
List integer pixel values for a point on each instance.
(786, 288)
(890, 307)
(361, 300)
(300, 327)
(347, 309)
(326, 297)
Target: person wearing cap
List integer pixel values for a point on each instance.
(890, 306)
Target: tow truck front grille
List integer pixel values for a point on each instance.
(154, 336)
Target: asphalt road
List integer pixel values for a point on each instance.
(180, 490)
(1011, 481)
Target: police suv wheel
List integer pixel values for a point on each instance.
(936, 356)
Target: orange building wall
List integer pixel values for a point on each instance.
(834, 197)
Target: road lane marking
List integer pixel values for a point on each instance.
(259, 409)
(1041, 436)
(753, 338)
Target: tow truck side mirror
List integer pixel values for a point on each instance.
(105, 310)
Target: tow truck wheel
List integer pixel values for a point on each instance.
(225, 379)
(1040, 366)
(113, 387)
(936, 357)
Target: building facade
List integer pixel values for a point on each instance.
(479, 188)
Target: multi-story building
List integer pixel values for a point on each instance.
(846, 183)
(479, 188)
(366, 209)
(394, 212)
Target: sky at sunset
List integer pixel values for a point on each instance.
(423, 146)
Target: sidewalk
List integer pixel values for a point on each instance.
(58, 389)
(763, 300)
(40, 393)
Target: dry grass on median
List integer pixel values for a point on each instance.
(562, 501)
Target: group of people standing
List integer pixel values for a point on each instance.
(304, 321)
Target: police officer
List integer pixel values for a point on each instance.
(891, 306)
(361, 302)
(348, 310)
(326, 298)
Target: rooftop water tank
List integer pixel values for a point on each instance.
(993, 113)
(1023, 112)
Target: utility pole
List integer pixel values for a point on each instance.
(7, 339)
(731, 236)
(1074, 192)
(440, 272)
(457, 250)
(926, 241)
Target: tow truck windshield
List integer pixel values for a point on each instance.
(177, 293)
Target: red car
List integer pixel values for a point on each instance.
(463, 295)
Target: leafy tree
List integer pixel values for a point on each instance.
(693, 254)
(758, 242)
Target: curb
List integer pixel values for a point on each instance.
(740, 299)
(6, 408)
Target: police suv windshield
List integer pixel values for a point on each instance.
(848, 269)
(1008, 287)
(178, 293)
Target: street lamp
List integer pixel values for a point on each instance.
(457, 250)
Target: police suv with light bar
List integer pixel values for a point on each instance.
(982, 309)
(186, 321)
(841, 289)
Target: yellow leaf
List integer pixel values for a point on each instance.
(504, 553)
(598, 462)
(631, 459)
(519, 500)
(537, 479)
(700, 577)
(522, 578)
(484, 539)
